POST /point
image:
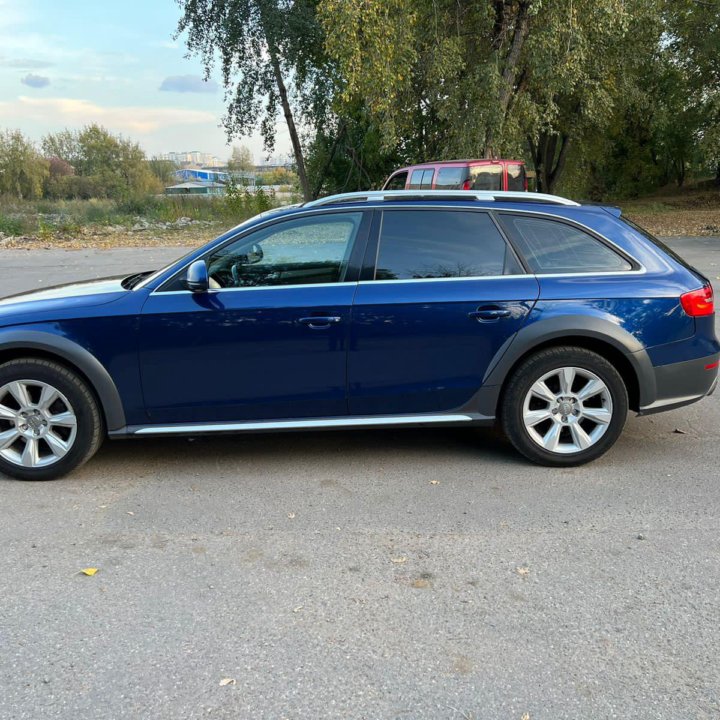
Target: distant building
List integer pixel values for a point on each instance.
(217, 176)
(196, 188)
(193, 157)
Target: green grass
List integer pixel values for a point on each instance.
(47, 217)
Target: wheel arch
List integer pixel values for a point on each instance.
(607, 339)
(15, 344)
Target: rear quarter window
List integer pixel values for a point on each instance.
(421, 179)
(552, 246)
(451, 178)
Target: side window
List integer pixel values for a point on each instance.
(516, 177)
(451, 178)
(417, 244)
(396, 182)
(486, 177)
(303, 251)
(421, 179)
(550, 246)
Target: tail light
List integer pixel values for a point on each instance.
(467, 185)
(697, 303)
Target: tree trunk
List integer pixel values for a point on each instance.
(294, 137)
(548, 162)
(321, 177)
(717, 175)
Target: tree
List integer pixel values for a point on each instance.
(22, 169)
(241, 159)
(272, 58)
(117, 167)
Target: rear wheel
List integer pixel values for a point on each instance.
(49, 420)
(564, 406)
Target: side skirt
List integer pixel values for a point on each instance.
(307, 424)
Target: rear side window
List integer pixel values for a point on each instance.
(421, 179)
(451, 178)
(396, 182)
(417, 244)
(486, 177)
(550, 246)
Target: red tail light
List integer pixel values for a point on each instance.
(467, 185)
(698, 302)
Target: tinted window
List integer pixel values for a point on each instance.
(451, 178)
(555, 247)
(396, 182)
(302, 251)
(486, 177)
(421, 179)
(516, 177)
(418, 244)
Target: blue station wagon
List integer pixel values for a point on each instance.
(389, 308)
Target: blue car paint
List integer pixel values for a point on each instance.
(399, 347)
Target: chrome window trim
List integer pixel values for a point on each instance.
(255, 287)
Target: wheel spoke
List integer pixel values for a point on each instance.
(30, 455)
(65, 419)
(58, 446)
(580, 437)
(6, 413)
(567, 378)
(47, 397)
(8, 437)
(534, 417)
(591, 388)
(597, 415)
(20, 392)
(543, 391)
(552, 437)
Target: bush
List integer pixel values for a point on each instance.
(10, 226)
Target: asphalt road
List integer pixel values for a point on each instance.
(409, 574)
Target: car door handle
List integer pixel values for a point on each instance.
(320, 322)
(489, 314)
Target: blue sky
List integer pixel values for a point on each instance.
(66, 63)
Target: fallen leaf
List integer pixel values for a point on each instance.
(398, 560)
(679, 431)
(102, 506)
(420, 584)
(129, 512)
(522, 571)
(526, 716)
(89, 571)
(291, 515)
(298, 608)
(434, 482)
(227, 681)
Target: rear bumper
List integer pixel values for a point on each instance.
(683, 383)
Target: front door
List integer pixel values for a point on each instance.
(269, 340)
(446, 294)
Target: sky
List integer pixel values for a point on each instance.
(68, 63)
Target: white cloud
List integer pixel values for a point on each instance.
(129, 119)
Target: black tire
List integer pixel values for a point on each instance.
(90, 430)
(533, 369)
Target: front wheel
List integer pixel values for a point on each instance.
(564, 406)
(49, 420)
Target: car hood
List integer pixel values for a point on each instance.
(63, 297)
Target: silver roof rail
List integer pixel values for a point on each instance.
(485, 195)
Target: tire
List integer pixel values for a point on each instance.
(50, 422)
(578, 420)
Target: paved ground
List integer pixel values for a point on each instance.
(399, 574)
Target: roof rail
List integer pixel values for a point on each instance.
(484, 195)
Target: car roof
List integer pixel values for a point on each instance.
(457, 163)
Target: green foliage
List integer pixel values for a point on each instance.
(241, 159)
(10, 225)
(109, 165)
(22, 169)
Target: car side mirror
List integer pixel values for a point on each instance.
(197, 279)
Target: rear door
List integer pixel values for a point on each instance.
(442, 294)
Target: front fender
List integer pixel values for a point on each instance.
(77, 356)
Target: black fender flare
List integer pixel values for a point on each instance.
(557, 328)
(76, 356)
